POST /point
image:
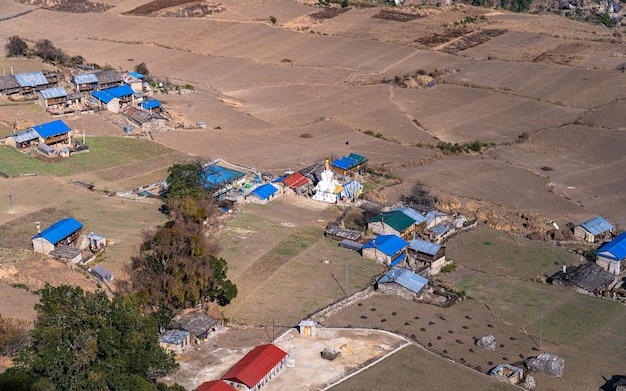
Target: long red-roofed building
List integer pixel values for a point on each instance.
(215, 385)
(257, 368)
(296, 180)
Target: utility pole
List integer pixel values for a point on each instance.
(540, 330)
(347, 294)
(10, 196)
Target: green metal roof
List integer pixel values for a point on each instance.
(395, 219)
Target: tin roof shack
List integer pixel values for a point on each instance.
(101, 273)
(175, 341)
(23, 139)
(200, 326)
(351, 165)
(219, 180)
(62, 233)
(52, 99)
(85, 82)
(115, 98)
(55, 132)
(440, 231)
(109, 78)
(262, 194)
(307, 328)
(611, 255)
(586, 278)
(432, 255)
(402, 283)
(9, 85)
(215, 385)
(593, 230)
(387, 249)
(507, 373)
(257, 368)
(334, 232)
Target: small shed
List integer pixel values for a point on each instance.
(96, 242)
(101, 273)
(593, 230)
(507, 373)
(307, 328)
(336, 233)
(175, 341)
(8, 85)
(350, 245)
(62, 233)
(587, 278)
(262, 193)
(200, 326)
(152, 105)
(402, 282)
(23, 139)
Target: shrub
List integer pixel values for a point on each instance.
(273, 19)
(16, 47)
(449, 268)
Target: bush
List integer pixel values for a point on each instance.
(142, 68)
(273, 19)
(449, 268)
(45, 49)
(16, 47)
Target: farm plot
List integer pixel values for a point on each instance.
(498, 252)
(458, 114)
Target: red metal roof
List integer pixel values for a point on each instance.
(215, 385)
(255, 365)
(295, 180)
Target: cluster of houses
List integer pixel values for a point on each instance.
(602, 277)
(50, 139)
(87, 91)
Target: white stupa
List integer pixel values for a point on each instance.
(327, 189)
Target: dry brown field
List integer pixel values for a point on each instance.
(261, 86)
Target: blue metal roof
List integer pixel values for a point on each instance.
(406, 278)
(279, 179)
(26, 135)
(174, 337)
(32, 79)
(137, 75)
(387, 244)
(597, 225)
(59, 230)
(615, 249)
(85, 78)
(215, 176)
(413, 214)
(264, 191)
(424, 246)
(51, 129)
(56, 92)
(150, 104)
(110, 93)
(398, 260)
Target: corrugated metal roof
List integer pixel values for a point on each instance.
(24, 136)
(360, 159)
(395, 219)
(215, 176)
(387, 244)
(51, 129)
(295, 180)
(413, 214)
(424, 246)
(406, 278)
(102, 272)
(441, 229)
(85, 78)
(255, 365)
(264, 191)
(397, 260)
(597, 225)
(615, 249)
(215, 385)
(59, 230)
(31, 79)
(198, 324)
(110, 93)
(150, 104)
(174, 337)
(55, 92)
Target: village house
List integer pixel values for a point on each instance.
(219, 180)
(52, 98)
(262, 193)
(297, 182)
(101, 273)
(145, 120)
(114, 98)
(215, 385)
(612, 254)
(351, 165)
(399, 222)
(402, 283)
(31, 82)
(431, 255)
(62, 233)
(23, 139)
(200, 326)
(386, 249)
(593, 230)
(85, 82)
(175, 341)
(586, 278)
(134, 80)
(109, 78)
(257, 368)
(55, 132)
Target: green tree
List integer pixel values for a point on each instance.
(184, 179)
(84, 341)
(142, 68)
(16, 46)
(45, 49)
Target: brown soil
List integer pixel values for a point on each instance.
(157, 5)
(328, 13)
(397, 16)
(70, 6)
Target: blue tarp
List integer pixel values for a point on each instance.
(59, 230)
(51, 129)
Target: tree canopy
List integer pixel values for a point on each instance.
(183, 180)
(84, 341)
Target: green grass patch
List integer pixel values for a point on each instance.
(104, 152)
(497, 252)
